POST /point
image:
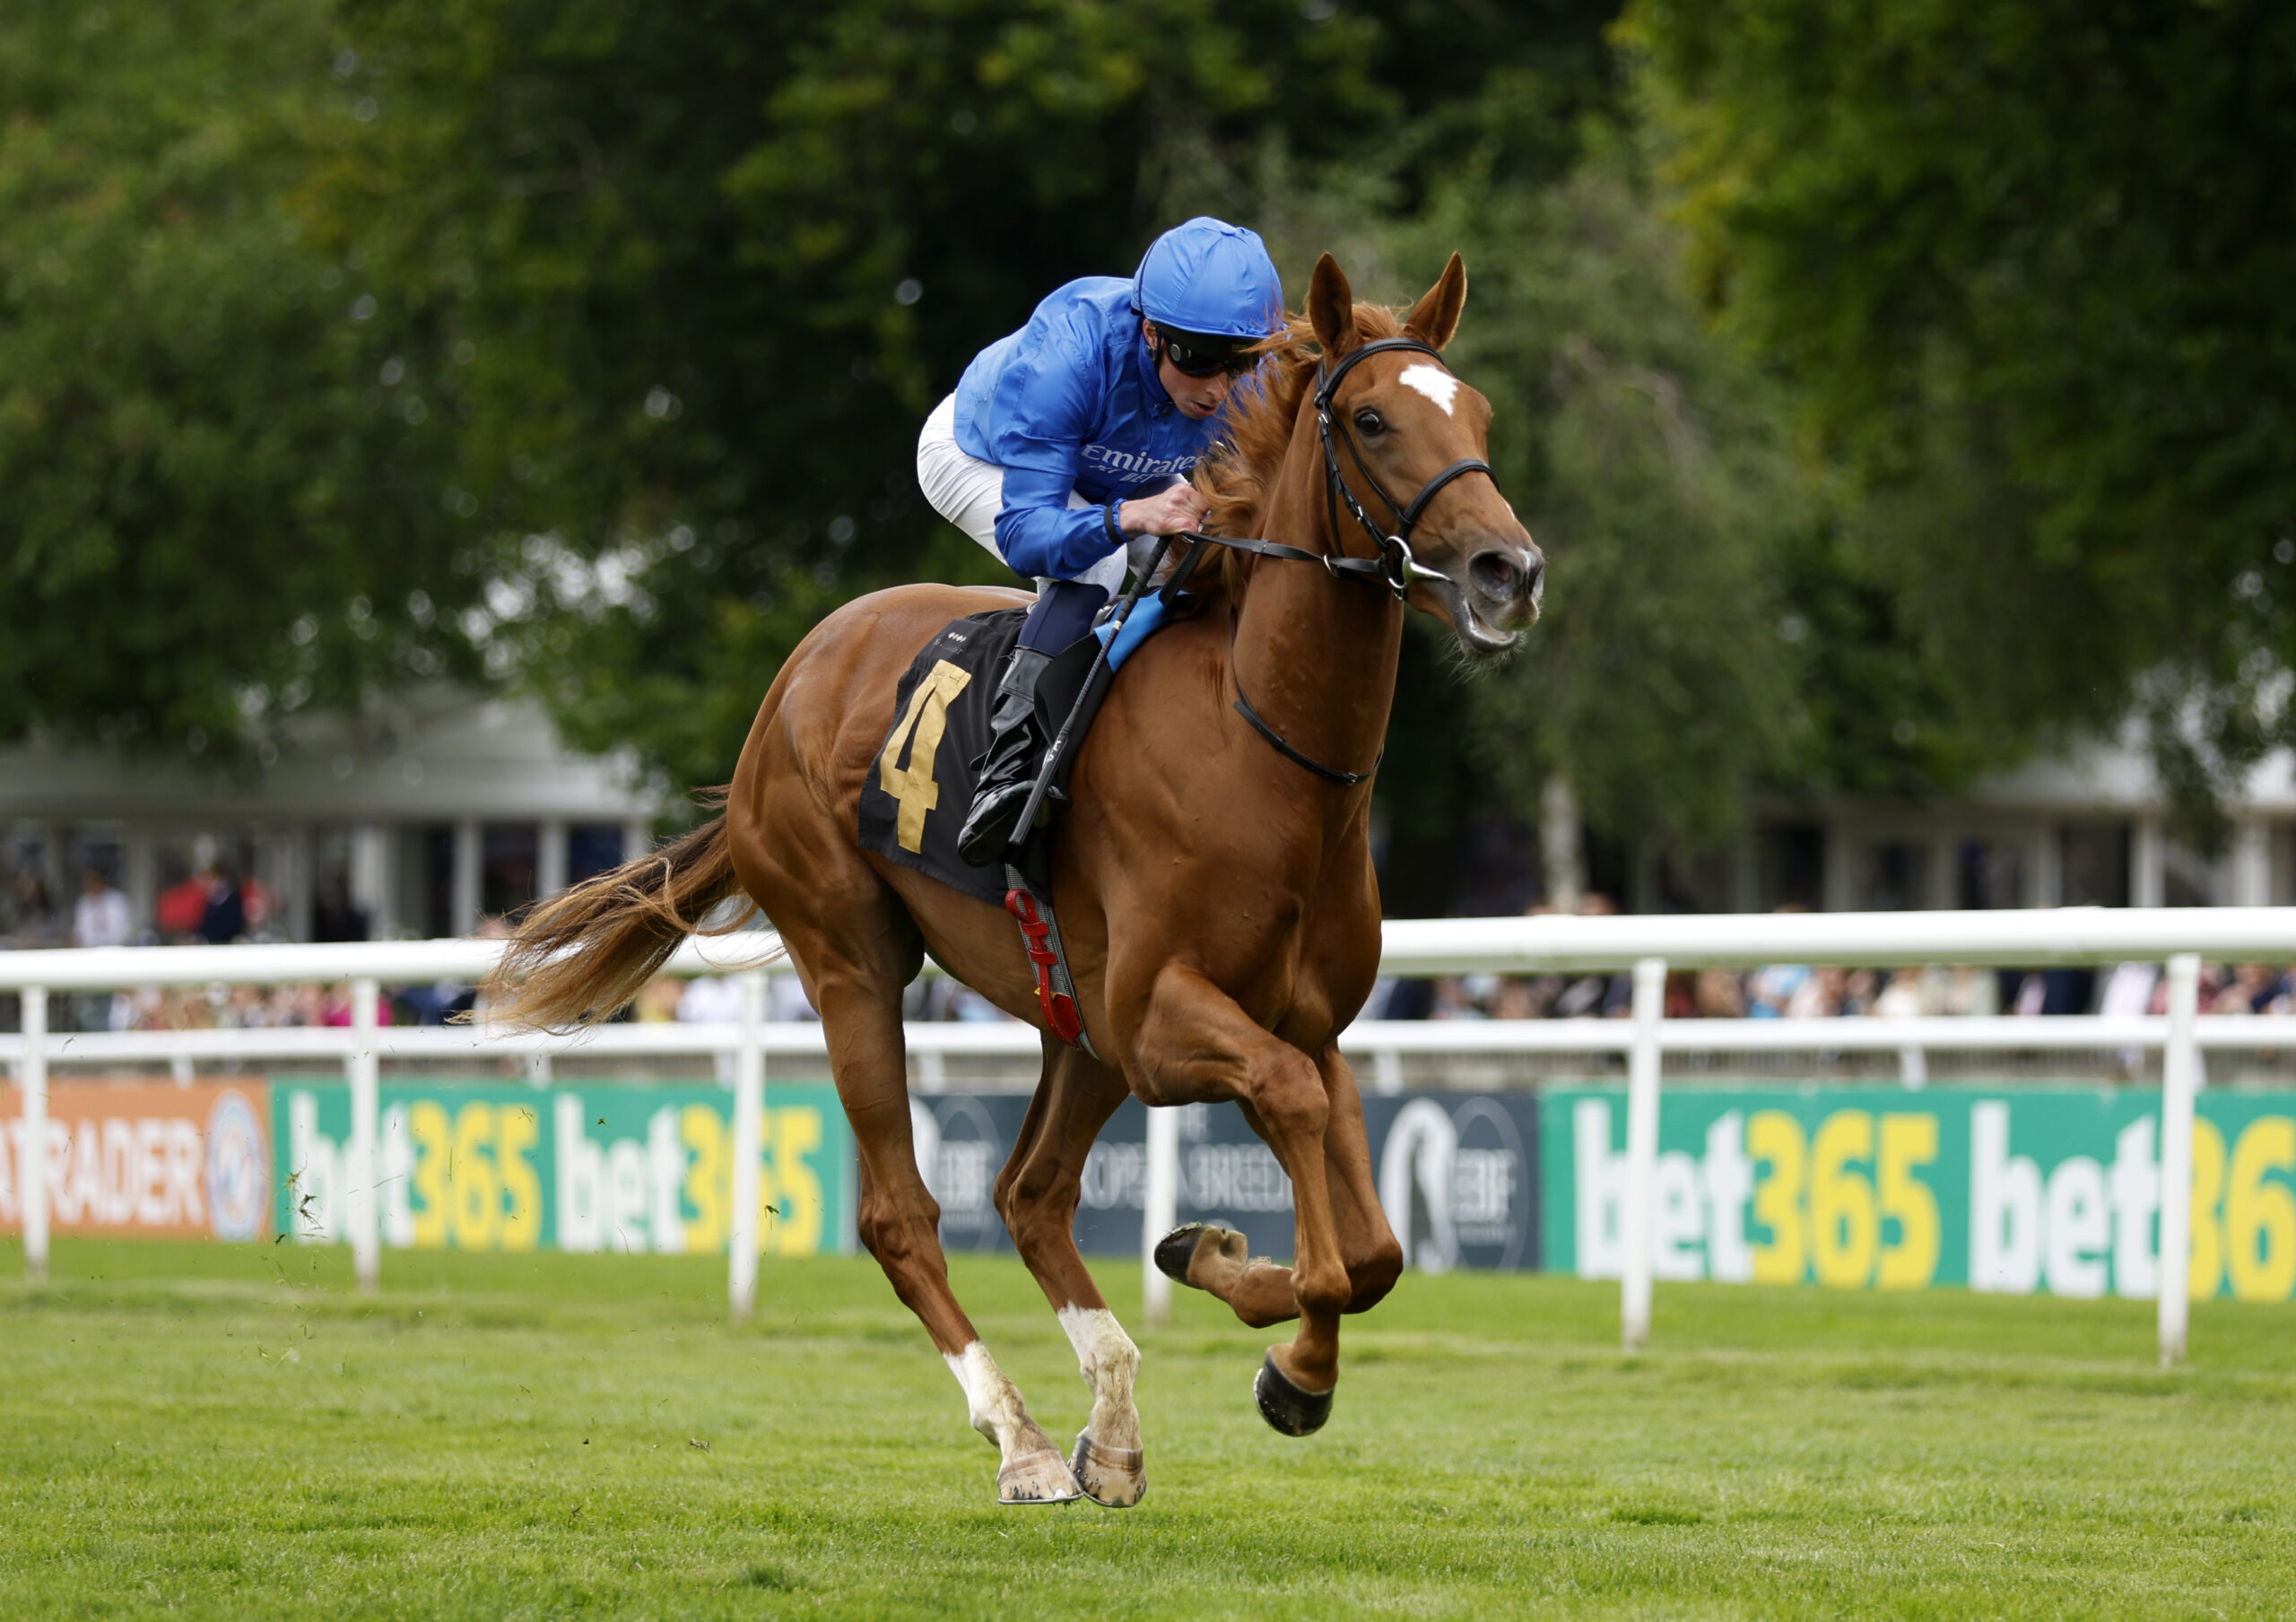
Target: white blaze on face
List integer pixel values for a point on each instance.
(1433, 382)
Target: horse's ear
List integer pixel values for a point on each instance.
(1435, 317)
(1331, 308)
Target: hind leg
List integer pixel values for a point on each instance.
(1036, 1195)
(899, 1223)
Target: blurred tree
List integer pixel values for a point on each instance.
(2030, 264)
(1654, 468)
(213, 516)
(1711, 630)
(711, 267)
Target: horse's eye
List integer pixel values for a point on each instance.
(1370, 422)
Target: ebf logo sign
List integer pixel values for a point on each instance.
(1456, 1178)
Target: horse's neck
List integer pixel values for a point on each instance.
(1316, 655)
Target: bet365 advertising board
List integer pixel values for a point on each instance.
(568, 1168)
(2013, 1191)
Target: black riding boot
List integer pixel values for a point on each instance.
(1005, 775)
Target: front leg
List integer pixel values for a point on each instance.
(1032, 1469)
(1195, 1044)
(1218, 1261)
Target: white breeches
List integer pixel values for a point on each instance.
(970, 493)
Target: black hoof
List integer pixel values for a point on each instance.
(1176, 1249)
(1284, 1406)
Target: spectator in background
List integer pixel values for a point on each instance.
(1819, 995)
(1716, 995)
(1609, 996)
(711, 1000)
(1770, 990)
(1463, 997)
(1409, 1000)
(337, 917)
(225, 919)
(785, 1002)
(1971, 994)
(2253, 988)
(100, 915)
(1902, 998)
(34, 921)
(1525, 999)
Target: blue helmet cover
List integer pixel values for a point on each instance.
(1210, 277)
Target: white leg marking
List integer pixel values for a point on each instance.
(992, 1402)
(1109, 1361)
(1033, 1471)
(1433, 382)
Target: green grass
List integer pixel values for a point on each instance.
(205, 1431)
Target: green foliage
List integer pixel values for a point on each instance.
(715, 265)
(1653, 469)
(2030, 264)
(208, 518)
(583, 346)
(1656, 470)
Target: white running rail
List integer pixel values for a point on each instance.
(1647, 946)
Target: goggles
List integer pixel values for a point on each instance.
(1193, 355)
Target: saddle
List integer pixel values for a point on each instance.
(915, 797)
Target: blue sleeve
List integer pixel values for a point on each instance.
(1046, 401)
(1040, 534)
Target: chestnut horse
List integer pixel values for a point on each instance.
(1213, 878)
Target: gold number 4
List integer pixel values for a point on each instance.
(921, 729)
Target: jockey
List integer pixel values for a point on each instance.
(1069, 438)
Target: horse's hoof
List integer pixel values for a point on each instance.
(1038, 1479)
(1176, 1251)
(1113, 1477)
(1284, 1406)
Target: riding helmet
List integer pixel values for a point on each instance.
(1211, 278)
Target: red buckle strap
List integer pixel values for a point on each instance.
(1059, 1008)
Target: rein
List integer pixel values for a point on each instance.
(1393, 566)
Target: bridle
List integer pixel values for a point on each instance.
(1396, 563)
(1392, 565)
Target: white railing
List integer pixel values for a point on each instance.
(1645, 946)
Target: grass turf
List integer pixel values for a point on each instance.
(199, 1430)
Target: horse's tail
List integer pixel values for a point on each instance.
(581, 955)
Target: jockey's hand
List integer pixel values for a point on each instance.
(1169, 512)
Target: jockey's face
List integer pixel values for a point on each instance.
(1199, 397)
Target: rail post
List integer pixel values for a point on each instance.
(366, 1242)
(2179, 1079)
(743, 1234)
(1642, 1152)
(1160, 1210)
(31, 1179)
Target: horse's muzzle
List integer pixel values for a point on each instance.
(1498, 597)
(1505, 576)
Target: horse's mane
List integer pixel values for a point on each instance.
(1239, 475)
